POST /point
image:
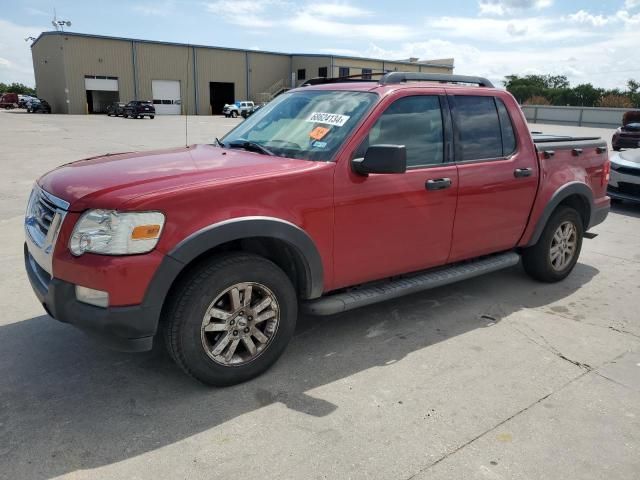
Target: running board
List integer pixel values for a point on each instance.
(368, 295)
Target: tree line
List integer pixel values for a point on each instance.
(16, 88)
(556, 90)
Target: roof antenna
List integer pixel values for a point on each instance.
(186, 111)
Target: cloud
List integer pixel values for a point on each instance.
(15, 55)
(630, 4)
(304, 22)
(604, 62)
(36, 11)
(504, 7)
(524, 30)
(582, 16)
(244, 13)
(335, 20)
(336, 10)
(155, 9)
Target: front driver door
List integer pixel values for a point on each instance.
(390, 224)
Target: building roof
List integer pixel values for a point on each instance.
(445, 63)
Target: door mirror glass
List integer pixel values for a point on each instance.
(382, 159)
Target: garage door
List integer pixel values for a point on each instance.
(166, 96)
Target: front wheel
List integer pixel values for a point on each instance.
(152, 117)
(557, 251)
(230, 319)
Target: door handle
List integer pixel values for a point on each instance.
(522, 172)
(438, 184)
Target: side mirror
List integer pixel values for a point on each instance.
(381, 159)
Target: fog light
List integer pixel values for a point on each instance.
(92, 297)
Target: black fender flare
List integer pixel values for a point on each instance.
(573, 188)
(235, 229)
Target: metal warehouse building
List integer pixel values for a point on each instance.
(80, 73)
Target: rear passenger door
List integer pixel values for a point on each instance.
(497, 176)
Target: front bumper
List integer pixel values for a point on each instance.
(129, 329)
(624, 183)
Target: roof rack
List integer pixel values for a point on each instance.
(350, 78)
(403, 77)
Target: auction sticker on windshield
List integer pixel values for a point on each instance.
(328, 118)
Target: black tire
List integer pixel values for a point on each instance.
(183, 319)
(617, 149)
(152, 117)
(537, 259)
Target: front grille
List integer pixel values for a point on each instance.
(629, 171)
(42, 212)
(629, 188)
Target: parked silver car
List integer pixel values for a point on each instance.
(624, 183)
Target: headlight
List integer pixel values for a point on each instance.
(108, 232)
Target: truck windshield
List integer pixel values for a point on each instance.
(305, 124)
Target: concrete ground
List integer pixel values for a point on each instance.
(498, 377)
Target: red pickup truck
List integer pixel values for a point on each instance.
(335, 195)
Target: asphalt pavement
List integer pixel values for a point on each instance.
(498, 377)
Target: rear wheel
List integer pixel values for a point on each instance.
(557, 251)
(231, 319)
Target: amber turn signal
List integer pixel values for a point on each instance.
(145, 232)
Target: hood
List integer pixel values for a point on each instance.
(110, 180)
(629, 158)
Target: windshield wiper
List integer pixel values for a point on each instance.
(219, 143)
(251, 146)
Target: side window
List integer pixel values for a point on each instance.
(416, 123)
(479, 134)
(508, 136)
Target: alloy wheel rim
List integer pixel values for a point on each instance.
(563, 246)
(240, 324)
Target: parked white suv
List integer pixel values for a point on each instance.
(244, 108)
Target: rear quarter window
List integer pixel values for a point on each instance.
(506, 128)
(479, 135)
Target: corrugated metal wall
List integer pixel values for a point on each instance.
(165, 62)
(48, 67)
(311, 64)
(93, 56)
(219, 66)
(61, 61)
(265, 69)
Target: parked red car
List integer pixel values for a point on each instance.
(410, 182)
(9, 100)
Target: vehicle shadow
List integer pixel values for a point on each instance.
(67, 403)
